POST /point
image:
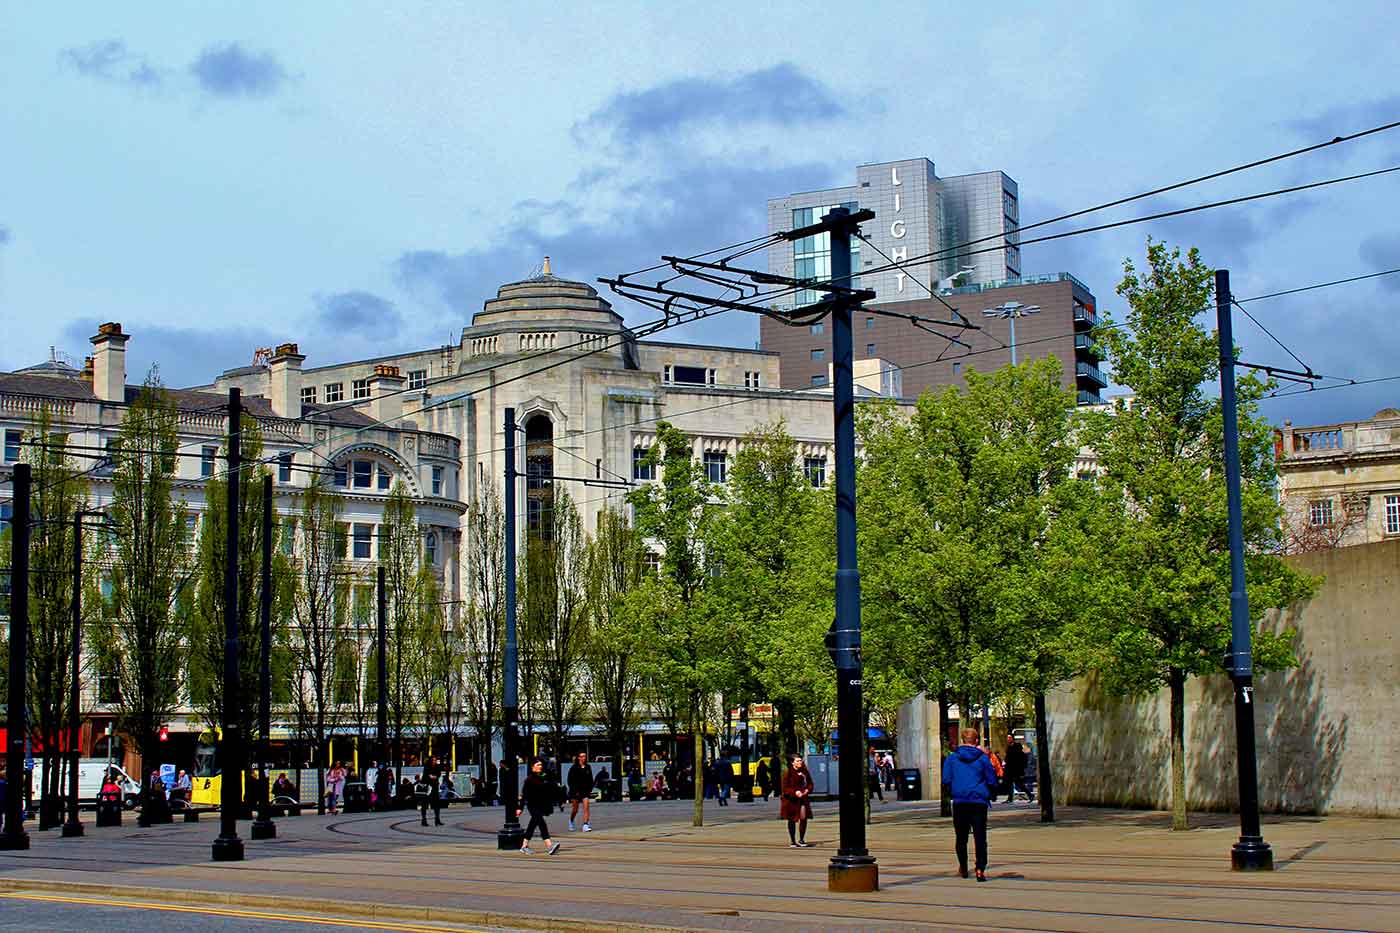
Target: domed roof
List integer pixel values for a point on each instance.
(546, 297)
(1387, 413)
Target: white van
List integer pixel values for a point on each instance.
(90, 774)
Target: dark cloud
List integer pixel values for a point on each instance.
(1382, 252)
(186, 356)
(694, 208)
(4, 235)
(356, 313)
(229, 70)
(110, 60)
(780, 96)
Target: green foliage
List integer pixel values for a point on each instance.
(411, 603)
(484, 619)
(1162, 459)
(149, 555)
(615, 567)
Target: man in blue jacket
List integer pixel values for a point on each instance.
(971, 777)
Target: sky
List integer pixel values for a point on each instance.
(359, 177)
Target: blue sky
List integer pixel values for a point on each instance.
(359, 177)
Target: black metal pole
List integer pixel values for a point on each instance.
(263, 826)
(14, 837)
(510, 836)
(852, 868)
(745, 781)
(228, 847)
(74, 826)
(381, 673)
(1251, 853)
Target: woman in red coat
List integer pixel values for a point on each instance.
(797, 801)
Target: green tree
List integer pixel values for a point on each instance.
(410, 597)
(322, 626)
(686, 654)
(207, 621)
(150, 563)
(775, 591)
(615, 566)
(555, 628)
(58, 493)
(1163, 455)
(484, 619)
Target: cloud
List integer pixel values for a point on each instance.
(356, 313)
(186, 356)
(111, 61)
(1382, 252)
(4, 235)
(1347, 119)
(229, 70)
(780, 96)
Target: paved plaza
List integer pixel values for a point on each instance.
(645, 867)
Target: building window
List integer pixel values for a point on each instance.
(12, 444)
(7, 511)
(1392, 515)
(818, 356)
(818, 329)
(206, 460)
(752, 380)
(437, 480)
(870, 323)
(360, 388)
(342, 475)
(430, 549)
(691, 375)
(1320, 513)
(815, 468)
(641, 469)
(363, 534)
(288, 536)
(335, 391)
(666, 373)
(870, 349)
(417, 378)
(653, 561)
(716, 463)
(363, 472)
(284, 468)
(308, 395)
(811, 255)
(957, 368)
(384, 479)
(818, 380)
(710, 375)
(108, 464)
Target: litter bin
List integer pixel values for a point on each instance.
(109, 809)
(357, 797)
(911, 784)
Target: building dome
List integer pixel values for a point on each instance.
(1387, 413)
(547, 298)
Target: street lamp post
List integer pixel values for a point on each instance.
(510, 836)
(1011, 310)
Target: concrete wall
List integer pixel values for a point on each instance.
(1326, 729)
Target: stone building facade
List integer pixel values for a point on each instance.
(1340, 483)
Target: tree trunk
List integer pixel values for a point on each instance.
(945, 798)
(1042, 758)
(1177, 679)
(698, 770)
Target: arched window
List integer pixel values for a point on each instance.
(539, 470)
(430, 543)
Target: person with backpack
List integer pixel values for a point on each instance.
(968, 772)
(538, 795)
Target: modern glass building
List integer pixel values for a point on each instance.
(940, 226)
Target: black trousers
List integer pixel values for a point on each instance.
(536, 819)
(971, 817)
(434, 801)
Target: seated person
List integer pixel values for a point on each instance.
(600, 783)
(657, 789)
(284, 788)
(406, 797)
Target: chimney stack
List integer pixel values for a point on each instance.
(87, 370)
(284, 377)
(385, 397)
(109, 363)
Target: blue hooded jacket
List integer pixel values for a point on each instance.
(969, 772)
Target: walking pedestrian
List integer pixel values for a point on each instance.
(1014, 770)
(797, 801)
(580, 783)
(538, 794)
(724, 777)
(874, 782)
(1032, 771)
(335, 786)
(763, 778)
(889, 771)
(969, 772)
(431, 782)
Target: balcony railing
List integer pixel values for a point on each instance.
(1087, 397)
(1086, 342)
(1091, 372)
(1012, 283)
(1083, 314)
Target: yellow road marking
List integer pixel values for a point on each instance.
(363, 923)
